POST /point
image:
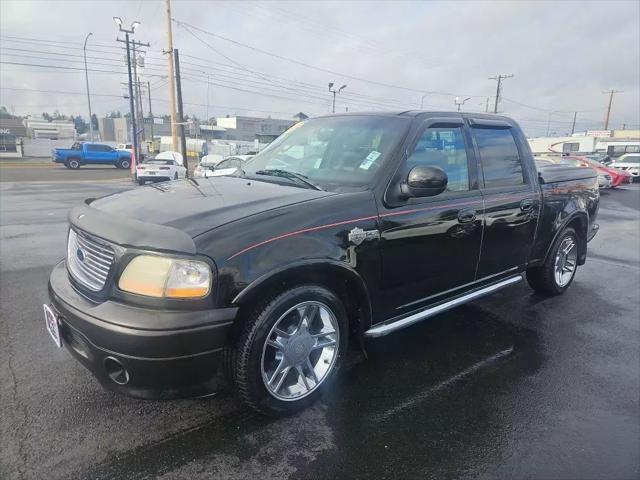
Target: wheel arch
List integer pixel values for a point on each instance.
(337, 277)
(579, 221)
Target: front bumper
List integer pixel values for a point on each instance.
(167, 362)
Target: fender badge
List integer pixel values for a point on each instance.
(358, 235)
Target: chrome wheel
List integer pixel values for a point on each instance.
(566, 261)
(300, 351)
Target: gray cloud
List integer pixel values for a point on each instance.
(563, 55)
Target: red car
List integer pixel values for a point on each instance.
(618, 177)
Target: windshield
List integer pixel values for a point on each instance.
(332, 152)
(628, 159)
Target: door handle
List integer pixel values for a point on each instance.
(466, 216)
(526, 205)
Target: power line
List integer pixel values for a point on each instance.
(297, 62)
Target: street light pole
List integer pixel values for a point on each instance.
(422, 101)
(86, 77)
(460, 103)
(333, 109)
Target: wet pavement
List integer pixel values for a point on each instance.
(512, 386)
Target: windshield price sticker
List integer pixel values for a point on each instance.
(372, 157)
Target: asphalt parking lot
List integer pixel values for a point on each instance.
(513, 386)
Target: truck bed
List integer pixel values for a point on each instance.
(564, 173)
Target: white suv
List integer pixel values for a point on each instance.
(629, 162)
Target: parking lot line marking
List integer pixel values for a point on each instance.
(424, 395)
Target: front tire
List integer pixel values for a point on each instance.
(72, 163)
(291, 348)
(123, 163)
(557, 273)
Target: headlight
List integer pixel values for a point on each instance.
(156, 276)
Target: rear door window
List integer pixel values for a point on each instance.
(499, 157)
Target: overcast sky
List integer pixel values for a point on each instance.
(563, 55)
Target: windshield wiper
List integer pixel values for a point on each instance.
(275, 172)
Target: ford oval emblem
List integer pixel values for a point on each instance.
(80, 254)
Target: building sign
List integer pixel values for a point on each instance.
(598, 133)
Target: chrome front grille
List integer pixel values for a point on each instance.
(89, 260)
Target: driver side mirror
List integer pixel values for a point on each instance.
(424, 181)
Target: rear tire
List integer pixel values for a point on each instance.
(559, 269)
(175, 176)
(141, 182)
(290, 350)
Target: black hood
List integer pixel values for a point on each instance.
(196, 206)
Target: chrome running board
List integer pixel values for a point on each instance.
(386, 328)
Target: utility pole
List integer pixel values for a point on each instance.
(573, 125)
(150, 112)
(207, 99)
(132, 111)
(135, 91)
(172, 83)
(334, 91)
(86, 77)
(610, 92)
(499, 78)
(138, 101)
(144, 134)
(183, 140)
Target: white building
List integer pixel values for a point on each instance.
(249, 129)
(54, 130)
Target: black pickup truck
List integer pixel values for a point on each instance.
(345, 227)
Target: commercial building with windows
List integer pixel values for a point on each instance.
(12, 130)
(54, 130)
(249, 129)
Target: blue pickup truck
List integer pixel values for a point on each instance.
(91, 153)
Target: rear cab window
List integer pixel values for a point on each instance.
(500, 159)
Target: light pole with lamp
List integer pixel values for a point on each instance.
(132, 110)
(459, 103)
(86, 77)
(334, 94)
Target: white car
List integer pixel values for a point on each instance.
(604, 180)
(165, 166)
(228, 166)
(629, 162)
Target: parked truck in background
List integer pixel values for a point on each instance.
(91, 154)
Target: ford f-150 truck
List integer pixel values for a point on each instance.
(346, 227)
(91, 153)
